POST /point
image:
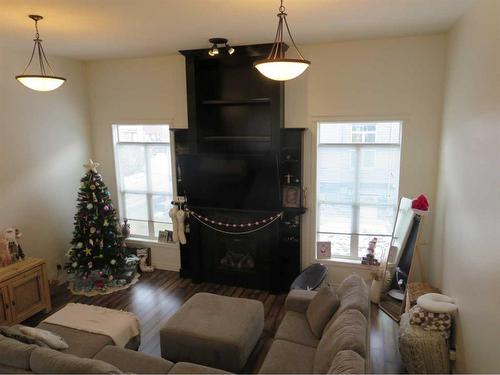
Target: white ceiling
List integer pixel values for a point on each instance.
(96, 29)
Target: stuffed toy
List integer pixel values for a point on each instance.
(5, 258)
(10, 242)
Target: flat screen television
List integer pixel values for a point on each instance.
(247, 182)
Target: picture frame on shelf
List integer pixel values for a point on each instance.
(291, 196)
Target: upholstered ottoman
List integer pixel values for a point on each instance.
(213, 330)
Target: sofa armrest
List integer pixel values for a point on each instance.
(298, 300)
(130, 361)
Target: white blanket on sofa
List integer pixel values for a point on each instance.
(120, 326)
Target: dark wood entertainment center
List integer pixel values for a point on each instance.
(236, 124)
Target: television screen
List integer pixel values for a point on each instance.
(248, 182)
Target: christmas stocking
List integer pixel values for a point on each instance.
(181, 216)
(175, 229)
(143, 266)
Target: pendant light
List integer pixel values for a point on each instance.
(42, 81)
(276, 66)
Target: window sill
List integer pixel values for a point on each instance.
(347, 263)
(148, 242)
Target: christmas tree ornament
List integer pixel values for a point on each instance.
(92, 187)
(79, 245)
(87, 251)
(74, 264)
(112, 261)
(91, 166)
(90, 206)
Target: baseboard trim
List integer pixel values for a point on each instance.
(167, 266)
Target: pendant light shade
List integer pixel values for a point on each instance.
(276, 66)
(41, 81)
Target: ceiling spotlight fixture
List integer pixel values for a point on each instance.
(276, 66)
(42, 81)
(214, 51)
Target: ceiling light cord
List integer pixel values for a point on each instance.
(42, 59)
(278, 51)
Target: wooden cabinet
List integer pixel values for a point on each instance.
(24, 290)
(4, 306)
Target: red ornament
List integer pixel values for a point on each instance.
(99, 284)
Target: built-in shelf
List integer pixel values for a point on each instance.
(236, 139)
(295, 210)
(237, 101)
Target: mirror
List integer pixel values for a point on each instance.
(398, 262)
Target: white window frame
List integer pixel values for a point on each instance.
(354, 233)
(152, 236)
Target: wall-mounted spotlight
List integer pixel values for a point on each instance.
(214, 51)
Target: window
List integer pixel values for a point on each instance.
(144, 174)
(357, 183)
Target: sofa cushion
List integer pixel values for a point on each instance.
(320, 310)
(133, 362)
(347, 362)
(14, 353)
(295, 328)
(354, 294)
(45, 360)
(298, 300)
(13, 370)
(74, 338)
(348, 332)
(193, 368)
(286, 357)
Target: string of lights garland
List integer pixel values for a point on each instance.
(212, 224)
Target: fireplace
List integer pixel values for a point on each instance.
(242, 259)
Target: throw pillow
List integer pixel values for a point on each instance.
(320, 310)
(51, 339)
(16, 334)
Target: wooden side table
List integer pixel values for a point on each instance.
(24, 290)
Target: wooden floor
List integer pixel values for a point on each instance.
(158, 295)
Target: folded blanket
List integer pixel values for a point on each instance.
(431, 321)
(120, 326)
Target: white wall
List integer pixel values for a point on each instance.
(136, 90)
(44, 140)
(466, 251)
(398, 78)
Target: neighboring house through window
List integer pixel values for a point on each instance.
(144, 177)
(357, 185)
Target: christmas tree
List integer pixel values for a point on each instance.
(97, 244)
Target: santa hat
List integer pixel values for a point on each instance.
(420, 205)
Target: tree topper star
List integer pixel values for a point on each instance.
(92, 166)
